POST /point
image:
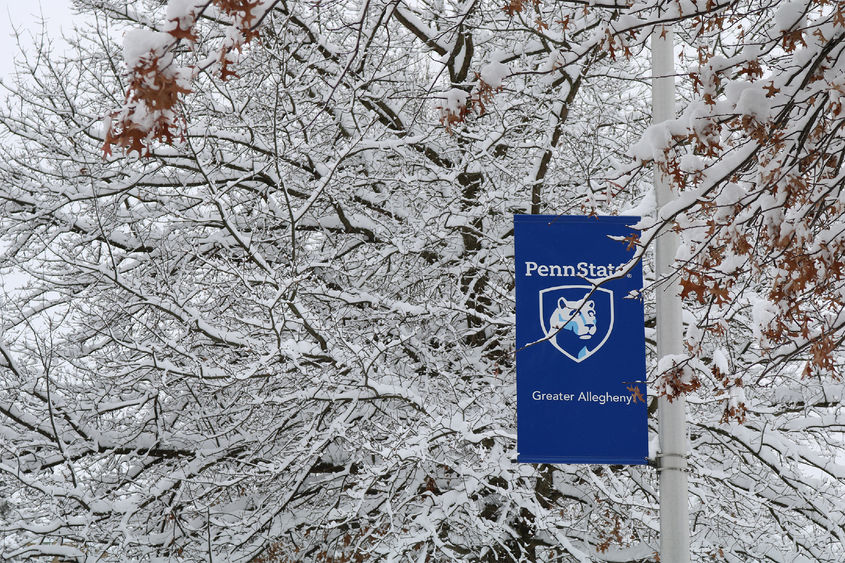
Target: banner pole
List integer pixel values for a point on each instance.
(672, 457)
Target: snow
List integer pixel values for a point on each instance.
(730, 194)
(140, 44)
(670, 361)
(752, 102)
(736, 397)
(644, 208)
(455, 101)
(789, 14)
(653, 142)
(65, 552)
(762, 313)
(493, 74)
(182, 9)
(720, 360)
(181, 14)
(735, 88)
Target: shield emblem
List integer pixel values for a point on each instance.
(575, 322)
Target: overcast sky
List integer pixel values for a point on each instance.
(26, 15)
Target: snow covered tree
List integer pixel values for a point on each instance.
(275, 321)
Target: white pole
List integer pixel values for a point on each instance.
(672, 460)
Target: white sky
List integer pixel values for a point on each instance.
(26, 15)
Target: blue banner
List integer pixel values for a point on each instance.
(580, 360)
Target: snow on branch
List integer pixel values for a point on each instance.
(156, 79)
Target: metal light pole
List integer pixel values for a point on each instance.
(672, 458)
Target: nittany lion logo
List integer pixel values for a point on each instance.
(576, 322)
